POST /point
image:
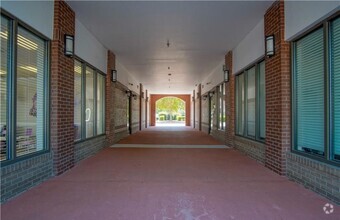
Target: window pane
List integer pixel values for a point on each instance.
(30, 93)
(100, 103)
(3, 86)
(89, 112)
(310, 93)
(240, 104)
(251, 102)
(262, 100)
(335, 68)
(77, 99)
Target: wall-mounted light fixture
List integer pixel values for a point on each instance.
(130, 84)
(193, 99)
(147, 99)
(68, 45)
(270, 46)
(205, 97)
(128, 93)
(225, 73)
(134, 97)
(114, 75)
(211, 94)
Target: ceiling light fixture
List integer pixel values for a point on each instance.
(25, 43)
(4, 35)
(168, 43)
(29, 68)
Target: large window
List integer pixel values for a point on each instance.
(316, 92)
(335, 78)
(221, 107)
(89, 101)
(23, 91)
(250, 103)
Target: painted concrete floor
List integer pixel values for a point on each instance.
(171, 136)
(163, 184)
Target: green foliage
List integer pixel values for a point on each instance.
(170, 105)
(180, 118)
(161, 118)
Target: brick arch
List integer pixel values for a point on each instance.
(155, 97)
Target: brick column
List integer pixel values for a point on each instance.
(62, 90)
(230, 101)
(278, 126)
(141, 98)
(109, 100)
(146, 108)
(199, 107)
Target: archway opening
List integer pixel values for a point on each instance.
(170, 111)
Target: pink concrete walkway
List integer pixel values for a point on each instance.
(171, 136)
(163, 184)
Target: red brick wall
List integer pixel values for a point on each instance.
(277, 91)
(154, 98)
(230, 103)
(62, 90)
(109, 99)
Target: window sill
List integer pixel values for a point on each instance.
(90, 138)
(317, 158)
(24, 157)
(251, 139)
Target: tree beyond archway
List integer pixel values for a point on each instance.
(171, 106)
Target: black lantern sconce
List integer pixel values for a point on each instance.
(225, 74)
(128, 93)
(134, 97)
(205, 97)
(68, 45)
(211, 94)
(270, 46)
(114, 75)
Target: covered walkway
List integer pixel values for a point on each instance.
(159, 184)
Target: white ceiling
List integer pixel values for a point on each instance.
(200, 33)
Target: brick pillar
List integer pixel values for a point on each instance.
(109, 100)
(146, 108)
(193, 108)
(62, 90)
(141, 98)
(199, 110)
(230, 101)
(278, 126)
